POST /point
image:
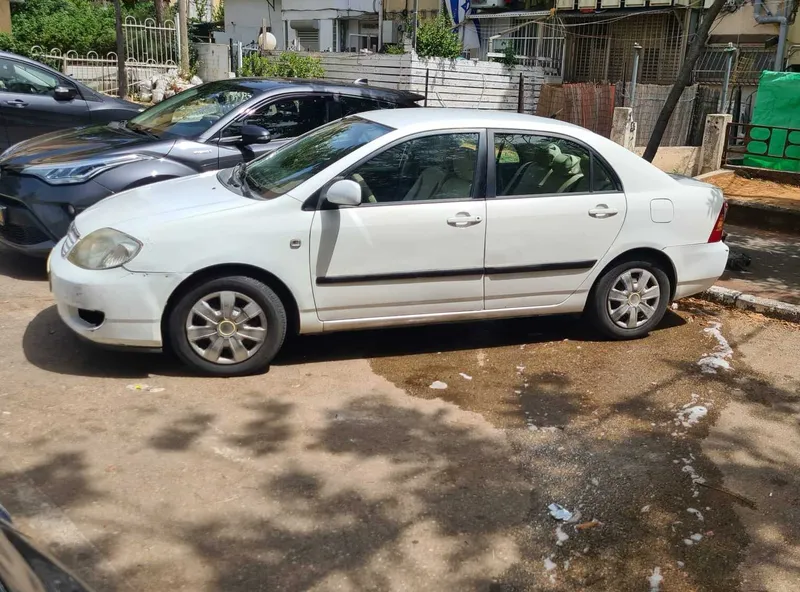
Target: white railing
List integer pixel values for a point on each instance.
(148, 42)
(100, 73)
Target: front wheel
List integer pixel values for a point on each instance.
(629, 300)
(229, 326)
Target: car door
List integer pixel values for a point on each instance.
(285, 117)
(415, 244)
(557, 209)
(28, 102)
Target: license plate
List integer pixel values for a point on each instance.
(2, 216)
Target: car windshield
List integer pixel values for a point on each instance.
(191, 112)
(284, 169)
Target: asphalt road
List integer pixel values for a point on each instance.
(341, 469)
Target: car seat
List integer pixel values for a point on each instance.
(459, 182)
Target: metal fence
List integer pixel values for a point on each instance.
(151, 50)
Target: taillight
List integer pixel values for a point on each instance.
(716, 233)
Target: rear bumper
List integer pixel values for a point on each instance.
(698, 267)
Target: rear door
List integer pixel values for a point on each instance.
(558, 208)
(285, 117)
(28, 105)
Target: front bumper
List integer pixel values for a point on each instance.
(113, 307)
(35, 213)
(698, 267)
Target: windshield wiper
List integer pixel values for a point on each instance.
(138, 129)
(237, 175)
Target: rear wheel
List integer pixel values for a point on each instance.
(229, 326)
(629, 300)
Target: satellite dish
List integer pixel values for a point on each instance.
(267, 41)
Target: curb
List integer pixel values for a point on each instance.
(770, 308)
(763, 216)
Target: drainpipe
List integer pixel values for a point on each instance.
(762, 19)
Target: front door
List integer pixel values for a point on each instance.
(285, 118)
(557, 210)
(415, 244)
(28, 105)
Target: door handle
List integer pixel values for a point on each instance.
(17, 103)
(463, 220)
(602, 211)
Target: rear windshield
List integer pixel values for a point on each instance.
(284, 169)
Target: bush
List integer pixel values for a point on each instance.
(79, 25)
(289, 64)
(436, 38)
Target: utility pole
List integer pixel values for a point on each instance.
(122, 78)
(183, 25)
(684, 77)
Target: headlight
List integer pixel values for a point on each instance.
(81, 170)
(104, 249)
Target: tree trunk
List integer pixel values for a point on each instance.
(159, 6)
(183, 17)
(122, 79)
(684, 77)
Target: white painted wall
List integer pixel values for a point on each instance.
(243, 20)
(343, 5)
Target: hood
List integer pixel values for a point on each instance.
(181, 198)
(83, 142)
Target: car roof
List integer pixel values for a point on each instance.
(442, 118)
(289, 84)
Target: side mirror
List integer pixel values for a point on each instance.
(64, 93)
(255, 134)
(344, 193)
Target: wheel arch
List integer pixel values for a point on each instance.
(648, 254)
(234, 269)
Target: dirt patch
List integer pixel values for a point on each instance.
(734, 185)
(594, 428)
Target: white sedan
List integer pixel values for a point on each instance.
(390, 218)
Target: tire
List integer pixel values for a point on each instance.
(223, 344)
(606, 309)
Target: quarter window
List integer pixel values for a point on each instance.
(529, 164)
(287, 118)
(427, 168)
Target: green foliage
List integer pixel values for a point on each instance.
(200, 10)
(509, 55)
(289, 64)
(218, 13)
(436, 38)
(79, 25)
(394, 49)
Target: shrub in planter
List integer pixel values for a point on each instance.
(436, 38)
(290, 64)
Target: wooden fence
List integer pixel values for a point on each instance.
(450, 83)
(586, 104)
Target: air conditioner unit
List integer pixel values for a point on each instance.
(587, 4)
(660, 2)
(633, 3)
(684, 2)
(610, 3)
(565, 4)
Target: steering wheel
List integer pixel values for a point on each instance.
(365, 190)
(23, 88)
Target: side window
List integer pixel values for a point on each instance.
(286, 118)
(353, 105)
(21, 78)
(529, 164)
(427, 168)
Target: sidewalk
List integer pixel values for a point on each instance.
(775, 269)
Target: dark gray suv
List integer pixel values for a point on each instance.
(46, 181)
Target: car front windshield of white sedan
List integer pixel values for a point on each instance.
(284, 169)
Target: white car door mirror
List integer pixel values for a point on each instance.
(344, 193)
